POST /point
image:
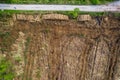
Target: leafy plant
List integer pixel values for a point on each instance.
(74, 13)
(6, 70)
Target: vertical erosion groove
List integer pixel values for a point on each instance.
(116, 70)
(74, 60)
(100, 62)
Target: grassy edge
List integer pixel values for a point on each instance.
(75, 2)
(71, 14)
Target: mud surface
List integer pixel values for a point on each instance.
(68, 50)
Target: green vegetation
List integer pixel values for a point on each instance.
(4, 36)
(75, 13)
(6, 72)
(38, 74)
(72, 14)
(57, 1)
(18, 59)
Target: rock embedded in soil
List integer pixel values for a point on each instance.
(33, 18)
(20, 17)
(26, 17)
(106, 19)
(84, 17)
(55, 17)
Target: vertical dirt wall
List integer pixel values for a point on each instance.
(67, 50)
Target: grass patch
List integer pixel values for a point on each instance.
(6, 72)
(5, 38)
(72, 14)
(75, 2)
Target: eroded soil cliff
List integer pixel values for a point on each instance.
(64, 50)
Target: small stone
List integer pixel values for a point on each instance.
(84, 17)
(4, 55)
(106, 19)
(21, 34)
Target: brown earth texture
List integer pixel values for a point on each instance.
(62, 49)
